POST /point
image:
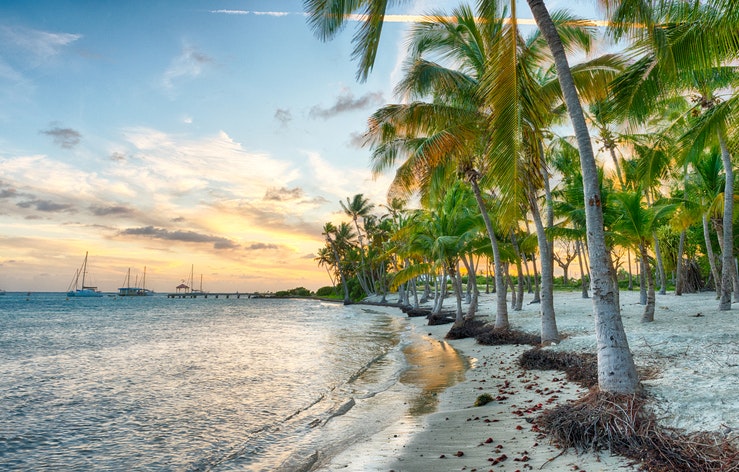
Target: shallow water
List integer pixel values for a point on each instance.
(153, 383)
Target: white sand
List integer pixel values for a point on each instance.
(694, 390)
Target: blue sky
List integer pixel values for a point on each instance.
(166, 134)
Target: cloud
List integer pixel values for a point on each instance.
(40, 44)
(117, 156)
(261, 246)
(67, 138)
(284, 194)
(346, 102)
(189, 63)
(113, 210)
(357, 140)
(46, 206)
(181, 236)
(283, 116)
(257, 13)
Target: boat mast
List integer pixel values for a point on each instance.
(84, 270)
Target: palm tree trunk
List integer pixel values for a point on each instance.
(711, 256)
(583, 284)
(727, 254)
(679, 265)
(631, 277)
(518, 306)
(643, 280)
(347, 300)
(501, 316)
(616, 368)
(648, 315)
(457, 282)
(549, 332)
(660, 266)
(537, 285)
(472, 290)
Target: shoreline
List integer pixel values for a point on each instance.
(497, 436)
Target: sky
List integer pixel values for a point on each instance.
(213, 137)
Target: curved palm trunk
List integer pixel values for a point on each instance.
(648, 315)
(711, 256)
(727, 254)
(616, 368)
(549, 332)
(501, 316)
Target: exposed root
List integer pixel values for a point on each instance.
(468, 329)
(622, 424)
(581, 368)
(496, 337)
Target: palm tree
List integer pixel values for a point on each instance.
(687, 48)
(356, 207)
(616, 369)
(330, 230)
(707, 184)
(638, 224)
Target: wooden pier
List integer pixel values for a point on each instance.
(217, 295)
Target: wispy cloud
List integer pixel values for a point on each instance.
(257, 13)
(110, 210)
(46, 206)
(284, 194)
(41, 44)
(181, 236)
(261, 246)
(284, 116)
(346, 103)
(67, 138)
(188, 64)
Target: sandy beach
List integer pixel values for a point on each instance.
(691, 345)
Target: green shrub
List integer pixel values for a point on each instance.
(484, 399)
(326, 292)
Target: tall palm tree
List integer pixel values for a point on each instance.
(707, 185)
(360, 207)
(616, 368)
(334, 239)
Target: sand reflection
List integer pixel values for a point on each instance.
(434, 366)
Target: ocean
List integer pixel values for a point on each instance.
(152, 383)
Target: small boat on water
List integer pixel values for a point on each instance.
(2, 292)
(135, 291)
(77, 289)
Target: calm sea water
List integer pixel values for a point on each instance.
(151, 383)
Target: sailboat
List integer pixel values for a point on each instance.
(128, 291)
(192, 281)
(81, 290)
